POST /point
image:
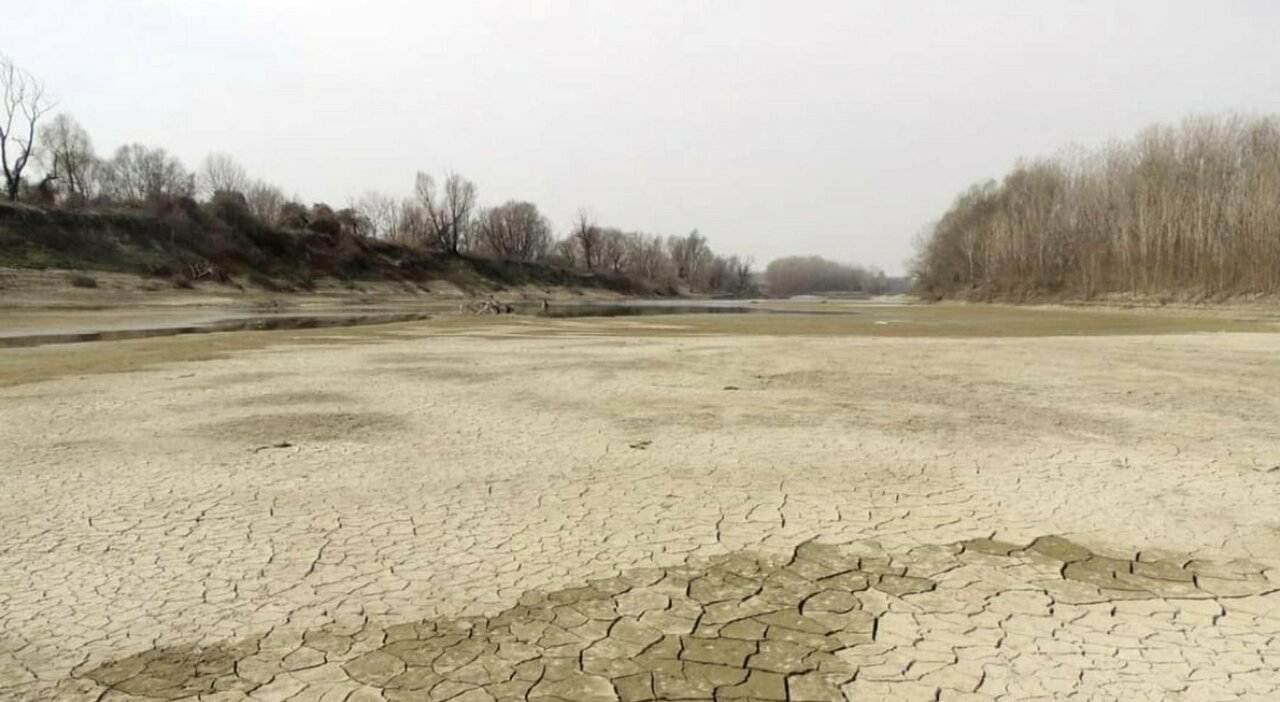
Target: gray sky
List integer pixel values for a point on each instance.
(835, 128)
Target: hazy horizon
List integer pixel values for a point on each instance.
(838, 129)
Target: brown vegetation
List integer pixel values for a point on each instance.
(798, 275)
(222, 241)
(515, 231)
(220, 219)
(1190, 210)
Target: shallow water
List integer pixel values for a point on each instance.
(641, 308)
(682, 316)
(265, 323)
(268, 322)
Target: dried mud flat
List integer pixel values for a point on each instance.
(668, 508)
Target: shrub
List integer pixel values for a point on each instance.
(324, 221)
(294, 215)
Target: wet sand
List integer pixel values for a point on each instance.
(961, 502)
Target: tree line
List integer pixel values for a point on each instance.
(1191, 208)
(799, 275)
(440, 213)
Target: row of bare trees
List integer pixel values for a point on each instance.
(441, 214)
(64, 152)
(73, 173)
(796, 275)
(1190, 208)
(444, 215)
(674, 261)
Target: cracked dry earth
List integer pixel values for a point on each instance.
(597, 511)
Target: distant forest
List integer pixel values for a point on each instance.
(801, 275)
(1190, 211)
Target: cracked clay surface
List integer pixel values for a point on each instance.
(544, 512)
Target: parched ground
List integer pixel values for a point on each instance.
(662, 508)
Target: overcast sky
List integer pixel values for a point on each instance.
(837, 128)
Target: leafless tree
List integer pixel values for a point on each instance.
(615, 250)
(690, 256)
(719, 275)
(413, 229)
(515, 230)
(565, 253)
(743, 279)
(137, 173)
(670, 263)
(797, 275)
(588, 238)
(22, 103)
(647, 259)
(1192, 210)
(448, 209)
(265, 201)
(380, 211)
(354, 223)
(66, 154)
(219, 172)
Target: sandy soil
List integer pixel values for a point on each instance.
(669, 508)
(45, 303)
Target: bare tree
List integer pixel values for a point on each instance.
(412, 228)
(1191, 210)
(448, 209)
(647, 259)
(743, 280)
(265, 201)
(669, 263)
(22, 103)
(565, 252)
(690, 256)
(66, 154)
(796, 275)
(614, 250)
(220, 173)
(138, 172)
(515, 230)
(380, 211)
(719, 275)
(354, 223)
(588, 238)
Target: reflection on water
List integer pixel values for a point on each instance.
(265, 323)
(607, 309)
(630, 308)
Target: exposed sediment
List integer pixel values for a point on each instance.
(288, 517)
(828, 622)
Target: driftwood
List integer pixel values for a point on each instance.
(486, 306)
(201, 270)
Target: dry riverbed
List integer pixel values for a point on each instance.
(954, 502)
